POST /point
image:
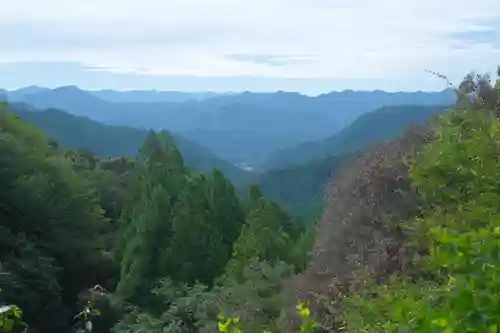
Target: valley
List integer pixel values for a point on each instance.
(294, 177)
(246, 128)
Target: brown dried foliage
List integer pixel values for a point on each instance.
(359, 233)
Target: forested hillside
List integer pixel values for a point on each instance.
(301, 189)
(113, 141)
(369, 129)
(240, 128)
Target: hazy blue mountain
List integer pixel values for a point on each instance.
(19, 93)
(105, 140)
(241, 128)
(80, 102)
(152, 96)
(302, 172)
(372, 127)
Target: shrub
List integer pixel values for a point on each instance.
(456, 242)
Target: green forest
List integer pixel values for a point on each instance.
(147, 230)
(145, 242)
(297, 187)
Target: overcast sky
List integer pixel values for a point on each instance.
(311, 46)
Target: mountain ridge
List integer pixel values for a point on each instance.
(72, 131)
(370, 128)
(257, 123)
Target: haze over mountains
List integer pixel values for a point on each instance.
(152, 96)
(287, 143)
(112, 141)
(244, 129)
(370, 128)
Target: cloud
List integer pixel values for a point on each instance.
(55, 74)
(295, 39)
(482, 36)
(269, 59)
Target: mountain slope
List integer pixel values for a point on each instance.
(379, 125)
(105, 140)
(300, 189)
(244, 127)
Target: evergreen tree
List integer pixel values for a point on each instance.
(147, 219)
(263, 236)
(197, 251)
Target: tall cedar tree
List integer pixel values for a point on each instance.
(176, 223)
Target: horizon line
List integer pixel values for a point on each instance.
(224, 92)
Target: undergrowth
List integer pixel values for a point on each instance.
(307, 325)
(456, 242)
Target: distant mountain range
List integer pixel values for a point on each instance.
(105, 140)
(370, 128)
(241, 128)
(131, 96)
(153, 96)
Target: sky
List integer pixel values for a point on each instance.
(310, 46)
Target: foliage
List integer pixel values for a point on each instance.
(194, 308)
(457, 240)
(10, 319)
(179, 309)
(307, 325)
(49, 218)
(301, 251)
(256, 296)
(157, 234)
(232, 324)
(263, 237)
(177, 224)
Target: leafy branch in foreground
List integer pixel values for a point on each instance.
(475, 90)
(307, 325)
(10, 319)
